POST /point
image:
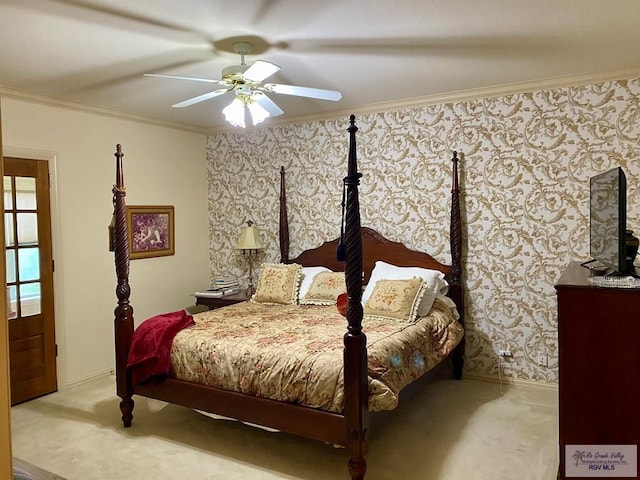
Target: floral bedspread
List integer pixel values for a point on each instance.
(294, 353)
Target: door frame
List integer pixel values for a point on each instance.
(6, 455)
(56, 245)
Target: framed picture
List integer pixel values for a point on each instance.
(150, 231)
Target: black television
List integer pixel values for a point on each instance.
(608, 222)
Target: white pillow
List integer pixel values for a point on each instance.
(449, 303)
(434, 279)
(307, 278)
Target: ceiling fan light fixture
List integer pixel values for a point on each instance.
(234, 113)
(246, 81)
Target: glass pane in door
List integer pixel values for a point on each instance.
(8, 229)
(30, 299)
(8, 189)
(26, 193)
(10, 256)
(27, 228)
(28, 264)
(12, 301)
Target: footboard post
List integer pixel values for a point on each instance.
(123, 321)
(356, 408)
(457, 292)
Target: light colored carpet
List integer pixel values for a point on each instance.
(450, 430)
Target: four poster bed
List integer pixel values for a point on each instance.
(359, 371)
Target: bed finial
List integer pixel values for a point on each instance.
(119, 171)
(454, 173)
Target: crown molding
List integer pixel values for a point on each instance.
(462, 95)
(518, 87)
(449, 97)
(14, 94)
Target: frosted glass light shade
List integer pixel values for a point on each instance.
(234, 113)
(258, 113)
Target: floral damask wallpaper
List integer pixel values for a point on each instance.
(526, 162)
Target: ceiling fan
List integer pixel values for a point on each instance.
(246, 82)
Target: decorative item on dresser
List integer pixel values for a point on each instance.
(599, 376)
(250, 245)
(345, 422)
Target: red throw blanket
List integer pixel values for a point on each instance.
(150, 349)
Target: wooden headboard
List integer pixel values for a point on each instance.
(374, 247)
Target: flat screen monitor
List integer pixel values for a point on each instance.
(608, 222)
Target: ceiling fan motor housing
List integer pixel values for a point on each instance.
(234, 72)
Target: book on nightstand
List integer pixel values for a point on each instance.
(225, 282)
(217, 293)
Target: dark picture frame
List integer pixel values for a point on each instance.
(150, 231)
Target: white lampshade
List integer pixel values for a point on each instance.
(249, 238)
(258, 113)
(234, 113)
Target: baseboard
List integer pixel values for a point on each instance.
(465, 376)
(510, 381)
(88, 378)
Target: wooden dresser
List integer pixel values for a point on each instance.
(599, 364)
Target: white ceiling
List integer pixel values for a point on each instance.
(378, 53)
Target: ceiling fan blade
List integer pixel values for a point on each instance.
(201, 98)
(260, 70)
(266, 103)
(303, 91)
(195, 79)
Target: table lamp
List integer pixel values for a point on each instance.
(250, 245)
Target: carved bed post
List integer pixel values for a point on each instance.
(356, 408)
(284, 222)
(456, 262)
(123, 322)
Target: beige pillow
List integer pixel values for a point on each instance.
(279, 283)
(433, 278)
(325, 288)
(395, 299)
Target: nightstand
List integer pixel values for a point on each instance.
(217, 302)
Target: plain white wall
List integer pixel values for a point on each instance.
(162, 166)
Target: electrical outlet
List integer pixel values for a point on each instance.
(542, 360)
(504, 353)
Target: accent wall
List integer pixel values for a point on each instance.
(526, 163)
